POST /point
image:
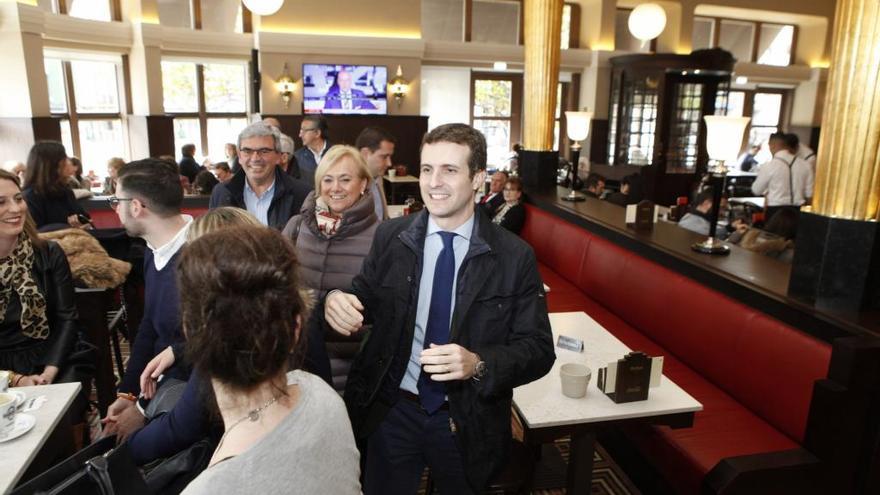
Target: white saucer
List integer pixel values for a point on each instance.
(23, 424)
(19, 396)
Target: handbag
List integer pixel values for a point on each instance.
(98, 468)
(171, 475)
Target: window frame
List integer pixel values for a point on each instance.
(74, 117)
(202, 114)
(516, 101)
(574, 28)
(115, 8)
(749, 110)
(756, 36)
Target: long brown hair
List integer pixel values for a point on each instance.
(30, 228)
(42, 168)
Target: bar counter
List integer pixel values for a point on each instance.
(751, 278)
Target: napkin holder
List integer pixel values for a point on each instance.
(630, 378)
(642, 216)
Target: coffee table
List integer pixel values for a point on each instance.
(398, 182)
(546, 414)
(18, 454)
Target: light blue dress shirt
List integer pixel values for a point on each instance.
(258, 206)
(433, 246)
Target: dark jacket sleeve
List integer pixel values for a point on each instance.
(528, 353)
(514, 219)
(36, 208)
(141, 354)
(175, 430)
(75, 206)
(61, 305)
(220, 197)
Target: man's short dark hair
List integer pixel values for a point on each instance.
(593, 180)
(156, 183)
(464, 135)
(222, 166)
(320, 124)
(188, 150)
(792, 141)
(704, 195)
(778, 136)
(372, 137)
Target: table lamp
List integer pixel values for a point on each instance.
(578, 128)
(723, 142)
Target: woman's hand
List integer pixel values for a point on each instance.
(48, 375)
(29, 381)
(74, 222)
(153, 370)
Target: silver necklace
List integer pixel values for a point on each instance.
(253, 415)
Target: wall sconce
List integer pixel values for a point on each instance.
(398, 86)
(647, 21)
(723, 140)
(286, 85)
(577, 126)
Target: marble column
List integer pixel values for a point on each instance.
(837, 254)
(542, 25)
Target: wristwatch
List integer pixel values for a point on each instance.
(480, 370)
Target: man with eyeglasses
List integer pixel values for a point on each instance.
(148, 201)
(261, 187)
(313, 132)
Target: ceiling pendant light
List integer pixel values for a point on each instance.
(263, 7)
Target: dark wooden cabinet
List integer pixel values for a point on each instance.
(656, 114)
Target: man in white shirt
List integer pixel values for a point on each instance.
(803, 173)
(775, 178)
(807, 153)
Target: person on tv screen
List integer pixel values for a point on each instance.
(341, 96)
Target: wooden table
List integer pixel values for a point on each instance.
(547, 414)
(17, 455)
(400, 182)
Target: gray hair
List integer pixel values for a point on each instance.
(287, 145)
(260, 129)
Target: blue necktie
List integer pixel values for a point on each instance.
(432, 394)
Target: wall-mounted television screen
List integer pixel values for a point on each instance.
(358, 89)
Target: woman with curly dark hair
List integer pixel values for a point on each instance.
(49, 197)
(285, 432)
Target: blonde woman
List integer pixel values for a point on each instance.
(332, 235)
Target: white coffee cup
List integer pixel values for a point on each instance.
(392, 172)
(7, 413)
(575, 378)
(4, 380)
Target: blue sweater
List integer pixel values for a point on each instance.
(160, 326)
(176, 430)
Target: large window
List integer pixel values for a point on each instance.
(208, 102)
(748, 41)
(84, 94)
(767, 109)
(496, 100)
(96, 10)
(488, 21)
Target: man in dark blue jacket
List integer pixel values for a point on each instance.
(459, 319)
(261, 187)
(148, 200)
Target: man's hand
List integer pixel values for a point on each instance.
(125, 424)
(154, 369)
(344, 312)
(449, 362)
(118, 406)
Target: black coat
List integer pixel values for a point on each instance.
(287, 199)
(52, 275)
(500, 313)
(189, 168)
(493, 204)
(51, 212)
(514, 219)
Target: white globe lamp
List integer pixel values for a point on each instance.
(263, 7)
(647, 21)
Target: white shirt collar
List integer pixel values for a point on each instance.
(163, 254)
(464, 230)
(270, 189)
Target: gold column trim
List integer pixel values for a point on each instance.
(848, 172)
(543, 23)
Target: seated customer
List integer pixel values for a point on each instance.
(50, 200)
(38, 318)
(697, 220)
(512, 214)
(595, 185)
(630, 191)
(242, 311)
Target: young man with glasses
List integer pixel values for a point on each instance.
(261, 187)
(313, 132)
(148, 200)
